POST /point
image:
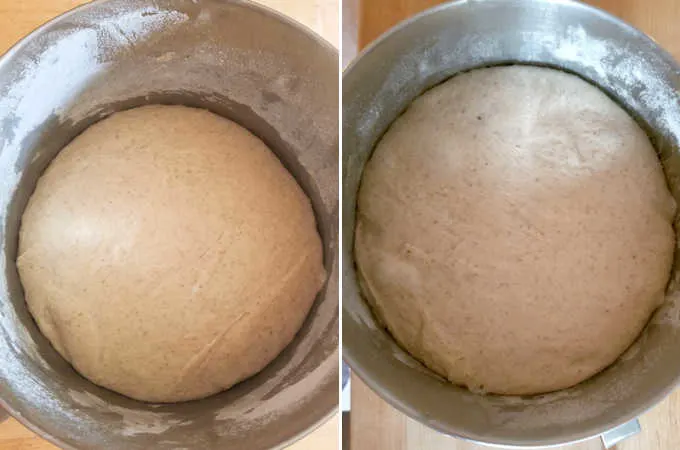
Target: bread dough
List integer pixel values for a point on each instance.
(167, 254)
(514, 230)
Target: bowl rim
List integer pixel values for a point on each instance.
(349, 355)
(18, 46)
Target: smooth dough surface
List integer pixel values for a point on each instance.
(514, 230)
(168, 254)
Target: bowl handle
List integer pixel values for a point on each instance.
(620, 433)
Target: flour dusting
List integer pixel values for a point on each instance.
(134, 421)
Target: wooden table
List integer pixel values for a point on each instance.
(377, 426)
(18, 18)
(658, 18)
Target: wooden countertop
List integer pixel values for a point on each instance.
(658, 18)
(18, 18)
(377, 426)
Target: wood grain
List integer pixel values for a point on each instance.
(658, 18)
(378, 16)
(18, 18)
(13, 436)
(375, 424)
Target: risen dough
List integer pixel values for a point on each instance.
(167, 254)
(514, 230)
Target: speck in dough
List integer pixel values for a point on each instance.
(168, 254)
(514, 230)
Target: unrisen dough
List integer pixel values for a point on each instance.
(167, 254)
(514, 230)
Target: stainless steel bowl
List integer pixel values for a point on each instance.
(238, 60)
(430, 48)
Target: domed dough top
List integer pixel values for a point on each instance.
(167, 254)
(514, 230)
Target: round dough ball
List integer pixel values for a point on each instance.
(167, 254)
(514, 230)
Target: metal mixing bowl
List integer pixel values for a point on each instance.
(239, 60)
(423, 52)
